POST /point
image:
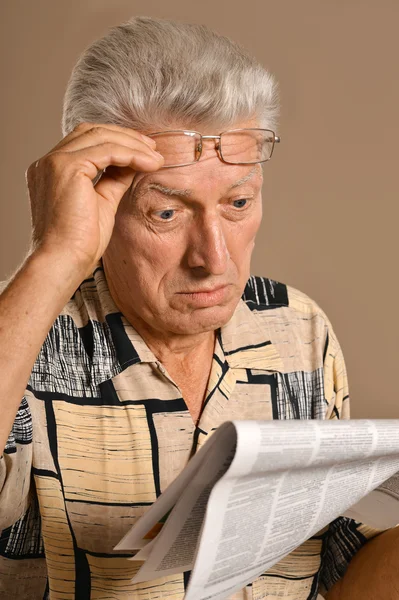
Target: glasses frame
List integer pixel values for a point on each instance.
(219, 146)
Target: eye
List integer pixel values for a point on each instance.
(166, 215)
(240, 203)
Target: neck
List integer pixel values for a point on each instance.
(170, 347)
(187, 358)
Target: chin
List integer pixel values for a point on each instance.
(203, 320)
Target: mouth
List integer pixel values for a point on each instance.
(206, 297)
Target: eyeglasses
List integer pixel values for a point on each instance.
(181, 148)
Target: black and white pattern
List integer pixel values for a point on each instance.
(300, 395)
(97, 395)
(24, 538)
(21, 432)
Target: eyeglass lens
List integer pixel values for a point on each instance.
(236, 147)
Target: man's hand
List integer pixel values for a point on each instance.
(70, 216)
(373, 574)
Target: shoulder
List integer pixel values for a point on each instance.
(3, 285)
(313, 376)
(283, 308)
(262, 293)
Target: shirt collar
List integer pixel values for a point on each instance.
(244, 340)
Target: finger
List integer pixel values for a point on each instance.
(122, 175)
(96, 158)
(98, 136)
(83, 127)
(100, 128)
(115, 183)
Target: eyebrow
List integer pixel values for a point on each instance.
(186, 192)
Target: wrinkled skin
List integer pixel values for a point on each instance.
(164, 248)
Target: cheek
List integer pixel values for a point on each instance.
(149, 255)
(256, 220)
(241, 238)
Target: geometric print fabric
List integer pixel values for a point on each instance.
(103, 430)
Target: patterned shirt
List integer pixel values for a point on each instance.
(102, 430)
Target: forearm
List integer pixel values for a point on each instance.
(373, 573)
(28, 307)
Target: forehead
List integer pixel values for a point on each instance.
(204, 176)
(171, 188)
(209, 173)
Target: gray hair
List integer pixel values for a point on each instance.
(150, 74)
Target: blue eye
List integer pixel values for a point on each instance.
(165, 215)
(240, 203)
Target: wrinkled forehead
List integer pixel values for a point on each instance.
(204, 176)
(209, 172)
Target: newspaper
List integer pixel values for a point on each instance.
(379, 508)
(257, 490)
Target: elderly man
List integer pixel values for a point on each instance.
(133, 328)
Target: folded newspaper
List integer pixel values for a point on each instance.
(257, 490)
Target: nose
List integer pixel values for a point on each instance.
(207, 248)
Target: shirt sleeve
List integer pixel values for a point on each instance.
(15, 469)
(336, 387)
(344, 537)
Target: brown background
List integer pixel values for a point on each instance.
(331, 190)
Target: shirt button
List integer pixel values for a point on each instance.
(161, 368)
